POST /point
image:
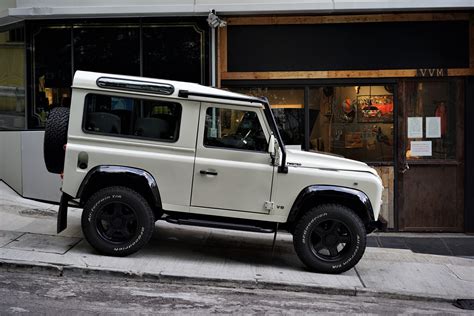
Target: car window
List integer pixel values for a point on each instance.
(132, 117)
(234, 129)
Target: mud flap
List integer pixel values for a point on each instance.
(62, 212)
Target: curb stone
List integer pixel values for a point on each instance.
(66, 270)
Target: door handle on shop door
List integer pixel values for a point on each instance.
(208, 172)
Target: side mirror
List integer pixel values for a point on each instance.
(271, 145)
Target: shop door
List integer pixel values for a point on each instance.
(430, 155)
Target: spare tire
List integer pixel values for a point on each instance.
(55, 137)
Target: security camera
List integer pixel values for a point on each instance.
(214, 21)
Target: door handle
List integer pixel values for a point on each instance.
(405, 169)
(208, 172)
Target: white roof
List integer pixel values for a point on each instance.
(88, 80)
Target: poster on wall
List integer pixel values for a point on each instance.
(415, 127)
(374, 108)
(421, 148)
(433, 127)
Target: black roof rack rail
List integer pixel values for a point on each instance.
(186, 94)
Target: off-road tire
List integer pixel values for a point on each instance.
(55, 137)
(317, 222)
(102, 201)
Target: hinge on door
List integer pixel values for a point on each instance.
(269, 205)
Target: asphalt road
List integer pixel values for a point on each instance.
(37, 293)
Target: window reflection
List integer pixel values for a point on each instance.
(110, 49)
(288, 108)
(12, 85)
(52, 72)
(174, 52)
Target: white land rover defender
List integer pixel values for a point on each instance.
(134, 150)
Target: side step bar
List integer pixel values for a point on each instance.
(218, 224)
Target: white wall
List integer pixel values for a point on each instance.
(5, 4)
(38, 183)
(10, 160)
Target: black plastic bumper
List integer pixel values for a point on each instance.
(380, 225)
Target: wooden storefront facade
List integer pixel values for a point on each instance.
(393, 90)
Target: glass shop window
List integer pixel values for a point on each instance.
(12, 79)
(288, 108)
(432, 118)
(352, 121)
(52, 77)
(174, 52)
(111, 49)
(234, 129)
(135, 118)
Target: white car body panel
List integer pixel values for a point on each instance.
(244, 180)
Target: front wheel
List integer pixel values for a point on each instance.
(117, 221)
(330, 238)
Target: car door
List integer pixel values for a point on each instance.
(232, 168)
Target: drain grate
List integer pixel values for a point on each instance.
(464, 304)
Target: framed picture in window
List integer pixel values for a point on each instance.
(374, 108)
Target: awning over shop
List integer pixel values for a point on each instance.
(42, 9)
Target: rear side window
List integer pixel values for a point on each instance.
(130, 117)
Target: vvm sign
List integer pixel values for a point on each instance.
(432, 72)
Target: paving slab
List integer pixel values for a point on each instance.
(43, 243)
(414, 277)
(7, 237)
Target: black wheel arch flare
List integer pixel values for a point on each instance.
(134, 178)
(314, 195)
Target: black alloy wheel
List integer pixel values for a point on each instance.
(117, 221)
(330, 238)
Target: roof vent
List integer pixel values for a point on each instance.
(135, 85)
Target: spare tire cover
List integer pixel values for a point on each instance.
(55, 137)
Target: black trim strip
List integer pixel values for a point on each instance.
(187, 93)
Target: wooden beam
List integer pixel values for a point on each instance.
(367, 18)
(471, 42)
(397, 73)
(287, 106)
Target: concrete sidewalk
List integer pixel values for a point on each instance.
(221, 257)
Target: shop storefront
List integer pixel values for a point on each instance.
(389, 90)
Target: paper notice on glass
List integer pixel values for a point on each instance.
(420, 149)
(415, 127)
(433, 127)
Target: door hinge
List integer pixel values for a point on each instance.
(269, 206)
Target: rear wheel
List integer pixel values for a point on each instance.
(117, 221)
(330, 238)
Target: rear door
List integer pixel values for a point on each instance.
(232, 168)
